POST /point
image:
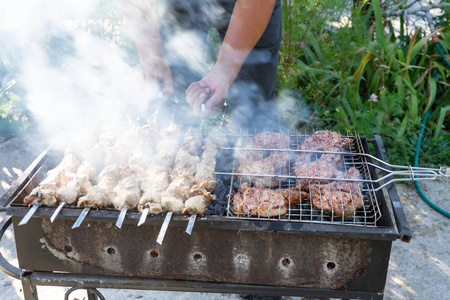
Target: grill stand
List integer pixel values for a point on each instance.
(31, 279)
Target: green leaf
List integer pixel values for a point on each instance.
(432, 96)
(413, 107)
(440, 122)
(379, 22)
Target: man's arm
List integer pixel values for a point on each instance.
(142, 17)
(247, 24)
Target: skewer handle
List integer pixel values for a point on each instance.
(164, 227)
(81, 217)
(123, 213)
(29, 214)
(191, 223)
(143, 216)
(57, 211)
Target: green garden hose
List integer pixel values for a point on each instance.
(416, 162)
(442, 54)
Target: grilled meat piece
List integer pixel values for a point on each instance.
(265, 140)
(56, 178)
(79, 186)
(128, 192)
(293, 196)
(152, 186)
(196, 204)
(102, 194)
(341, 198)
(182, 174)
(157, 179)
(318, 168)
(273, 166)
(199, 199)
(324, 140)
(264, 202)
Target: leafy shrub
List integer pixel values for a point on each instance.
(339, 69)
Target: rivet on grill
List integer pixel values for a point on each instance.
(111, 251)
(331, 265)
(241, 259)
(198, 257)
(68, 249)
(154, 253)
(286, 262)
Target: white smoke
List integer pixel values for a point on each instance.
(74, 79)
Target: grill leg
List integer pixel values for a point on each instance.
(29, 289)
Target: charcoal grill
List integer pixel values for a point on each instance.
(303, 253)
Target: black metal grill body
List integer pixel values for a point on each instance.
(221, 255)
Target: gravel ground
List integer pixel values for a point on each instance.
(417, 270)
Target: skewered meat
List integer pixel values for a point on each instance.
(264, 202)
(153, 185)
(45, 193)
(101, 194)
(157, 179)
(79, 186)
(182, 165)
(273, 166)
(200, 194)
(196, 204)
(128, 192)
(341, 198)
(185, 165)
(204, 174)
(182, 174)
(199, 199)
(145, 147)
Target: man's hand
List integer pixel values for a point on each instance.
(158, 74)
(248, 22)
(215, 86)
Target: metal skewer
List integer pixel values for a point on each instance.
(57, 211)
(143, 216)
(29, 214)
(193, 217)
(81, 217)
(164, 227)
(123, 213)
(191, 223)
(222, 118)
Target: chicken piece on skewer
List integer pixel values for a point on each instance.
(185, 166)
(157, 179)
(128, 192)
(102, 194)
(204, 174)
(153, 185)
(200, 194)
(199, 199)
(182, 174)
(45, 192)
(145, 147)
(79, 186)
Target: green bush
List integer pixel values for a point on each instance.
(339, 69)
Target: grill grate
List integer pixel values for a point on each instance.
(271, 196)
